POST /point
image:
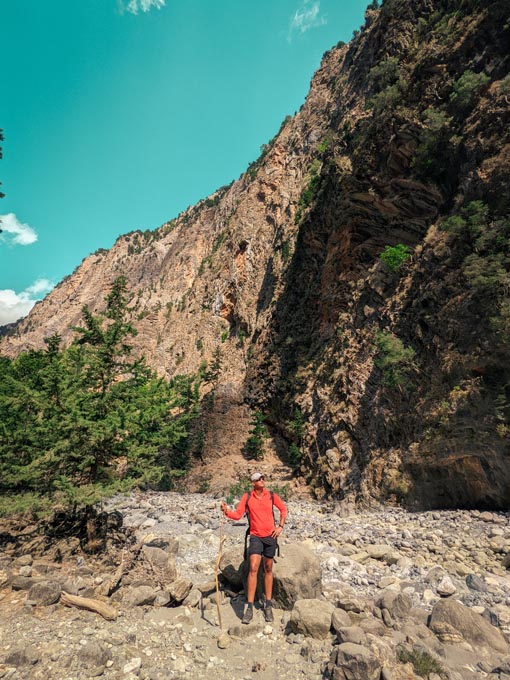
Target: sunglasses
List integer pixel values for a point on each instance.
(258, 480)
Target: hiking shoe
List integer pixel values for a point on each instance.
(268, 613)
(248, 615)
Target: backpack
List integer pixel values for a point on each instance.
(247, 514)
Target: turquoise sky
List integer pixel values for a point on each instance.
(118, 114)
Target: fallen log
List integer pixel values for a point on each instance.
(88, 603)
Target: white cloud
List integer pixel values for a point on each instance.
(14, 305)
(15, 232)
(134, 6)
(307, 16)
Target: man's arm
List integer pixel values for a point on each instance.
(238, 512)
(283, 514)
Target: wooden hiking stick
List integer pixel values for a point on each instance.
(218, 560)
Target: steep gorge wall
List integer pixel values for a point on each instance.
(281, 270)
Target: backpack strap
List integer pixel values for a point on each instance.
(247, 513)
(274, 521)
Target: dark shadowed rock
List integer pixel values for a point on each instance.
(23, 655)
(476, 583)
(231, 566)
(22, 582)
(45, 593)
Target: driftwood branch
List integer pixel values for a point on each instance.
(88, 603)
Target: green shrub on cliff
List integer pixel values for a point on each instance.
(384, 74)
(467, 88)
(394, 257)
(394, 359)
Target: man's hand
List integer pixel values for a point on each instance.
(276, 532)
(224, 507)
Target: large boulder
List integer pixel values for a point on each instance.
(312, 618)
(473, 628)
(297, 576)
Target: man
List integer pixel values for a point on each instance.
(263, 534)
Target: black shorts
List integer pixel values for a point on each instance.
(265, 545)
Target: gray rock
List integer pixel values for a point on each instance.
(378, 551)
(224, 641)
(21, 582)
(350, 604)
(24, 561)
(352, 634)
(386, 674)
(476, 583)
(162, 562)
(353, 662)
(193, 598)
(94, 654)
(162, 599)
(139, 596)
(397, 604)
(169, 544)
(472, 627)
(312, 617)
(75, 586)
(45, 593)
(446, 587)
(340, 619)
(179, 589)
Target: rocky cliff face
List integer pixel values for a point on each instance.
(401, 371)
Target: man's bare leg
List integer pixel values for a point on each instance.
(252, 577)
(268, 577)
(268, 587)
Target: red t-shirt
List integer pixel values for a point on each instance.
(261, 512)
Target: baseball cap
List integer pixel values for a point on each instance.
(256, 476)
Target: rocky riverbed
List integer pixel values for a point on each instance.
(400, 595)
